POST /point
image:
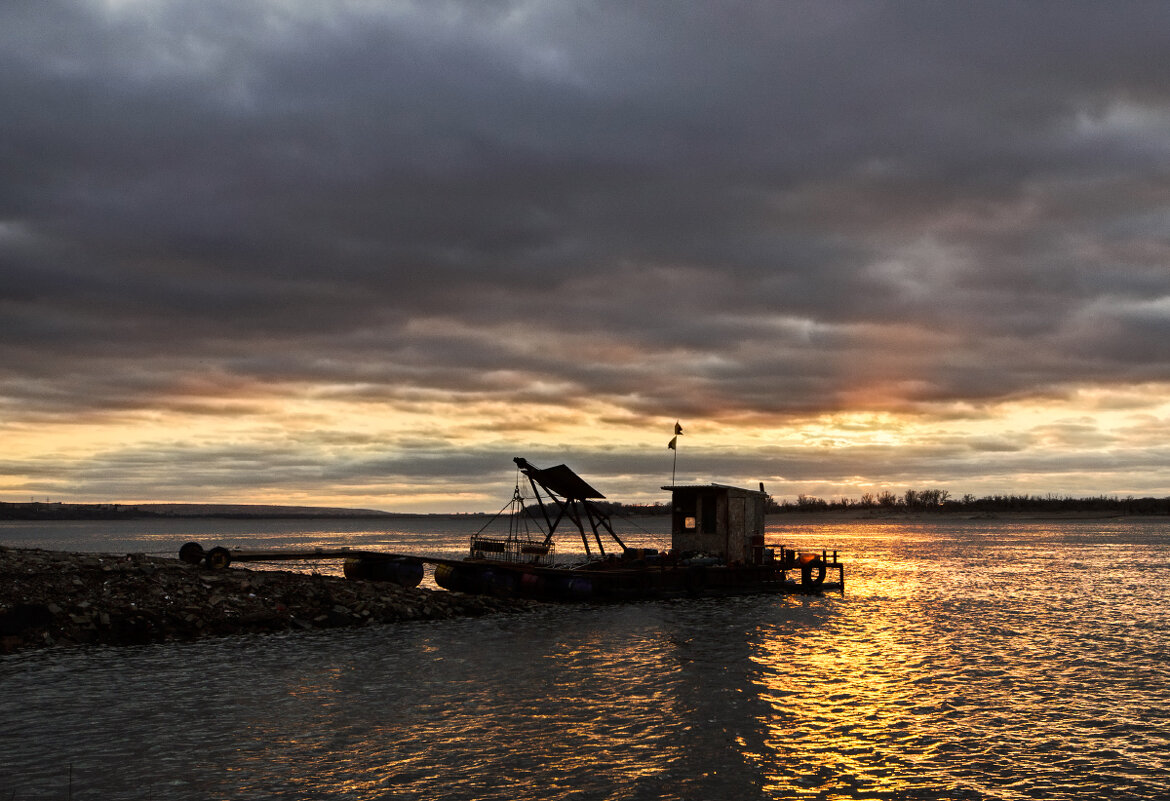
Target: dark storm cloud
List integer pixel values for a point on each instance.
(748, 208)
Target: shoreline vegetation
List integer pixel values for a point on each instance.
(885, 504)
(55, 598)
(919, 502)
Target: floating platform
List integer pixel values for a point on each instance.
(641, 577)
(717, 539)
(637, 576)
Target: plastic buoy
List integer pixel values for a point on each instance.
(191, 553)
(218, 558)
(450, 578)
(531, 584)
(403, 572)
(573, 588)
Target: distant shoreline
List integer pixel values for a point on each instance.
(143, 511)
(34, 511)
(874, 516)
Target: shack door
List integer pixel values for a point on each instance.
(736, 528)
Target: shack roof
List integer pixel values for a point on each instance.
(673, 487)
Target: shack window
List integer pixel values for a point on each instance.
(685, 511)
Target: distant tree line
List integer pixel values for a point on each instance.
(935, 501)
(940, 500)
(928, 500)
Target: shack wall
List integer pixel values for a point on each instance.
(721, 521)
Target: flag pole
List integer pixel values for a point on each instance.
(673, 445)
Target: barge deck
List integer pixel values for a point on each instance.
(717, 539)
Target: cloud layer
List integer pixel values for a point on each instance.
(383, 245)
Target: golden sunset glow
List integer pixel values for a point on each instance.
(845, 453)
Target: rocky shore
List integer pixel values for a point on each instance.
(50, 598)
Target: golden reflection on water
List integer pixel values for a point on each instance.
(821, 735)
(847, 717)
(963, 655)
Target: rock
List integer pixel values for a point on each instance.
(51, 598)
(24, 616)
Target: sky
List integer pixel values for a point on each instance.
(362, 253)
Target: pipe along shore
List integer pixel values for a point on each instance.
(53, 598)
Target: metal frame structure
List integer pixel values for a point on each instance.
(571, 494)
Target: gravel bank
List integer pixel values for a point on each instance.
(50, 598)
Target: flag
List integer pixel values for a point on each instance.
(673, 444)
(677, 428)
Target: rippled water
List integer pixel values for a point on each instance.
(967, 660)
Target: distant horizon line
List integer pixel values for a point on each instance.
(115, 509)
(912, 500)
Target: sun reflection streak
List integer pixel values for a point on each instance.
(943, 667)
(837, 740)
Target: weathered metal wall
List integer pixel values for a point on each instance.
(723, 521)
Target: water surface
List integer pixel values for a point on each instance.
(967, 660)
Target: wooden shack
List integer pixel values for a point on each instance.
(718, 520)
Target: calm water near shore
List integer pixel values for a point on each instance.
(969, 659)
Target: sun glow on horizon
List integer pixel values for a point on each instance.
(418, 451)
